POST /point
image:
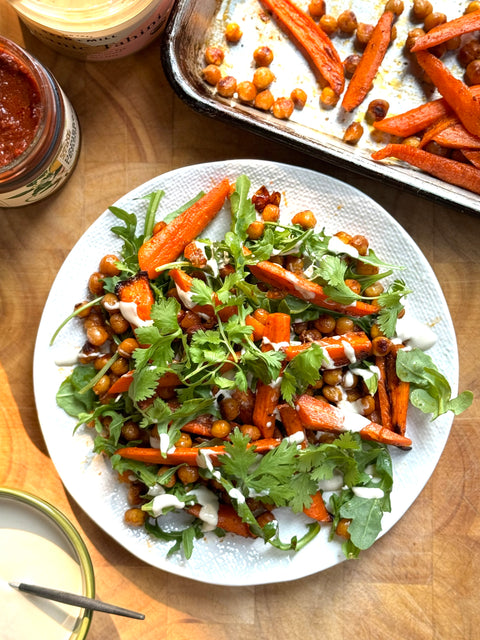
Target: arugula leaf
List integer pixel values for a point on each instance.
(366, 520)
(429, 389)
(302, 371)
(69, 396)
(153, 202)
(128, 233)
(171, 216)
(243, 210)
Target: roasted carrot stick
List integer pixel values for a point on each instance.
(342, 350)
(137, 289)
(202, 426)
(458, 95)
(370, 62)
(291, 421)
(310, 37)
(317, 509)
(399, 392)
(382, 394)
(472, 156)
(122, 384)
(419, 118)
(436, 129)
(457, 137)
(258, 328)
(451, 171)
(277, 331)
(319, 415)
(166, 245)
(458, 27)
(228, 519)
(280, 278)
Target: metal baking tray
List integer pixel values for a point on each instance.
(195, 24)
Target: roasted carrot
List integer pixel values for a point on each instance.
(419, 118)
(382, 394)
(459, 96)
(457, 137)
(340, 349)
(201, 426)
(280, 278)
(458, 27)
(137, 290)
(436, 129)
(258, 328)
(450, 171)
(310, 37)
(319, 415)
(291, 421)
(183, 281)
(370, 62)
(472, 156)
(317, 509)
(399, 392)
(168, 244)
(277, 331)
(122, 384)
(228, 519)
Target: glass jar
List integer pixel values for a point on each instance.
(94, 29)
(39, 130)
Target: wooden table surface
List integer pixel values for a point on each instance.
(420, 580)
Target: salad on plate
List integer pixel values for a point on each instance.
(272, 369)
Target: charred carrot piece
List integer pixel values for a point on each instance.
(168, 244)
(319, 415)
(436, 129)
(472, 156)
(458, 95)
(280, 278)
(370, 62)
(277, 331)
(122, 384)
(228, 520)
(342, 350)
(317, 509)
(450, 171)
(458, 27)
(258, 328)
(315, 42)
(183, 281)
(202, 426)
(137, 289)
(382, 394)
(399, 392)
(419, 118)
(291, 421)
(457, 137)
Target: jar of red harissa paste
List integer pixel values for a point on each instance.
(39, 131)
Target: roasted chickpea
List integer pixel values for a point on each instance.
(261, 315)
(255, 230)
(395, 6)
(282, 108)
(229, 408)
(135, 517)
(332, 394)
(131, 431)
(374, 290)
(184, 441)
(233, 33)
(350, 64)
(360, 243)
(453, 43)
(306, 219)
(102, 386)
(108, 265)
(469, 52)
(344, 325)
(264, 518)
(252, 431)
(328, 24)
(472, 73)
(381, 345)
(127, 347)
(211, 74)
(294, 264)
(342, 528)
(354, 285)
(472, 6)
(263, 56)
(328, 98)
(364, 269)
(316, 8)
(368, 405)
(433, 20)
(299, 98)
(214, 55)
(421, 9)
(84, 312)
(375, 331)
(118, 323)
(325, 323)
(412, 141)
(95, 283)
(171, 480)
(119, 367)
(271, 213)
(246, 91)
(376, 110)
(263, 77)
(353, 133)
(437, 149)
(332, 377)
(363, 34)
(222, 428)
(109, 302)
(134, 495)
(227, 86)
(101, 361)
(187, 474)
(413, 34)
(264, 100)
(97, 335)
(350, 381)
(347, 22)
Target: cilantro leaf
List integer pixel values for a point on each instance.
(302, 371)
(390, 302)
(332, 269)
(430, 391)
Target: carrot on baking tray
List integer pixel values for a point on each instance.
(441, 33)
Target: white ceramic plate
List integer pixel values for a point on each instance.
(88, 477)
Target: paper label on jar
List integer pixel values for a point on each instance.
(120, 43)
(58, 170)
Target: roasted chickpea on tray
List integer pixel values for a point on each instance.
(335, 78)
(271, 368)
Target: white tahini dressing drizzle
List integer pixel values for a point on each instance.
(237, 495)
(368, 492)
(414, 333)
(129, 312)
(276, 345)
(209, 507)
(334, 483)
(163, 501)
(66, 356)
(349, 351)
(335, 245)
